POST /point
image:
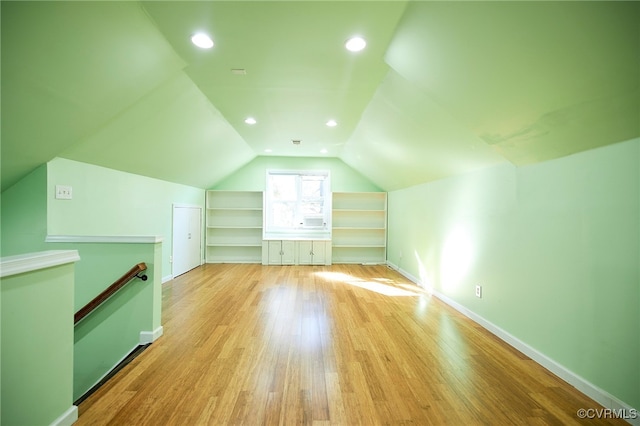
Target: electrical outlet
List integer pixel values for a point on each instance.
(479, 291)
(64, 192)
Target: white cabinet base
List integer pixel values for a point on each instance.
(296, 252)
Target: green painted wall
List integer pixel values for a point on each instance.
(105, 202)
(556, 248)
(252, 177)
(23, 214)
(110, 332)
(37, 346)
(110, 202)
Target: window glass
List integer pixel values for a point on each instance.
(297, 201)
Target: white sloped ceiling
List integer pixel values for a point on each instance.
(442, 88)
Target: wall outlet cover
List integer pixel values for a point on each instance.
(478, 291)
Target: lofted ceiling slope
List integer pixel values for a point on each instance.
(535, 80)
(442, 88)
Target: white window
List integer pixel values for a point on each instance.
(297, 202)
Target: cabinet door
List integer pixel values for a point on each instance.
(319, 252)
(288, 253)
(305, 252)
(275, 252)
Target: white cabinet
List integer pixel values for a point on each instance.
(296, 252)
(313, 252)
(359, 227)
(280, 252)
(234, 226)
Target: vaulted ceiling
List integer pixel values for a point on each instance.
(442, 88)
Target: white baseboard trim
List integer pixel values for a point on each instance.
(167, 278)
(67, 418)
(147, 337)
(404, 273)
(589, 389)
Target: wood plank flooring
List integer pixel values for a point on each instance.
(325, 345)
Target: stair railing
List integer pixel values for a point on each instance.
(135, 272)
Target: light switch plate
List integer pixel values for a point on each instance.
(63, 192)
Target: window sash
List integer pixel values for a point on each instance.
(295, 202)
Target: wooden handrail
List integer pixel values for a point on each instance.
(110, 291)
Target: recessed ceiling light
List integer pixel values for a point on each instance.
(268, 150)
(202, 40)
(323, 151)
(250, 120)
(355, 44)
(332, 123)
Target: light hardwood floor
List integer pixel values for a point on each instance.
(334, 345)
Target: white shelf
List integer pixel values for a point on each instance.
(239, 218)
(234, 254)
(235, 209)
(358, 245)
(360, 201)
(233, 227)
(359, 219)
(234, 200)
(232, 245)
(359, 227)
(358, 255)
(359, 237)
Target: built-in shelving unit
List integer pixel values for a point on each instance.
(359, 227)
(234, 232)
(234, 227)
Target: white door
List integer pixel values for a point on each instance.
(187, 239)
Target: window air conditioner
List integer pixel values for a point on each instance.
(313, 222)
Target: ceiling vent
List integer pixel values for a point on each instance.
(296, 141)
